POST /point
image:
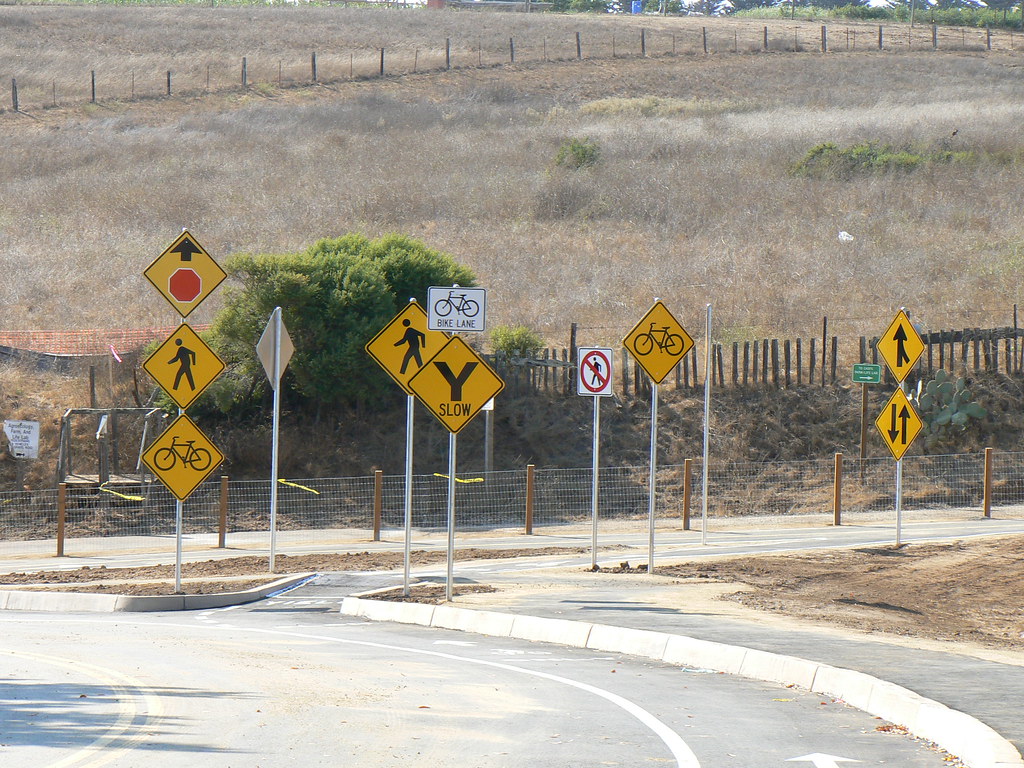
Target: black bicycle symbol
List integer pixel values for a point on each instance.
(671, 343)
(198, 459)
(458, 302)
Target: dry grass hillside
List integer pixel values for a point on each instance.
(691, 198)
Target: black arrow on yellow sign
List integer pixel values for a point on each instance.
(901, 433)
(186, 249)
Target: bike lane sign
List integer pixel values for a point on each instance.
(658, 342)
(182, 457)
(456, 310)
(594, 373)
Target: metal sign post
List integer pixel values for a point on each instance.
(658, 342)
(707, 428)
(594, 379)
(410, 403)
(274, 349)
(452, 449)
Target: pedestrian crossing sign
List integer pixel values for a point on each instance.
(405, 345)
(184, 366)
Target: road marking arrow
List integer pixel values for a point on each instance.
(822, 761)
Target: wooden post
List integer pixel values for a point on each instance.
(687, 491)
(835, 357)
(824, 39)
(704, 37)
(765, 43)
(787, 362)
(14, 94)
(625, 373)
(382, 62)
(746, 361)
(62, 513)
(811, 360)
(986, 502)
(511, 51)
(643, 42)
(824, 347)
(245, 72)
(935, 37)
(837, 490)
(93, 82)
(529, 499)
(579, 47)
(879, 37)
(735, 362)
(378, 502)
(764, 362)
(312, 65)
(988, 38)
(222, 526)
(775, 363)
(168, 82)
(447, 53)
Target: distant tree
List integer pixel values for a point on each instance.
(334, 297)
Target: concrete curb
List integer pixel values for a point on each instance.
(85, 602)
(977, 745)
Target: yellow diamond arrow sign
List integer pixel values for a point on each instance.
(898, 424)
(182, 457)
(900, 346)
(658, 342)
(405, 345)
(455, 384)
(184, 365)
(185, 274)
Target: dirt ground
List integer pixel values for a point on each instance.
(969, 592)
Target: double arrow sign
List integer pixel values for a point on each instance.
(900, 347)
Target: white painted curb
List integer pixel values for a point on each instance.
(85, 602)
(977, 745)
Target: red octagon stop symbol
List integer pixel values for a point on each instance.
(185, 285)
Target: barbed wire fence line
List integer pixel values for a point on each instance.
(196, 76)
(321, 512)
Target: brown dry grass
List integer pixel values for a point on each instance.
(694, 206)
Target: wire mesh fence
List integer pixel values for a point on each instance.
(322, 511)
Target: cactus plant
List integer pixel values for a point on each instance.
(944, 405)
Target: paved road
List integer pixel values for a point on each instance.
(290, 682)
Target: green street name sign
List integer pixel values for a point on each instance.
(867, 373)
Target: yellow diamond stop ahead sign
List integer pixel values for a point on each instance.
(185, 274)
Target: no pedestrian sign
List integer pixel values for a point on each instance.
(594, 373)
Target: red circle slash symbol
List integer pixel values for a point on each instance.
(595, 370)
(185, 285)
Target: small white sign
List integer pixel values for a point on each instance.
(23, 437)
(594, 373)
(456, 310)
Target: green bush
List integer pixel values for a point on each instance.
(576, 153)
(334, 297)
(516, 340)
(827, 160)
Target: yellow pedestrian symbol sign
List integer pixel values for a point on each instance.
(455, 384)
(182, 457)
(184, 366)
(405, 345)
(898, 424)
(900, 346)
(658, 342)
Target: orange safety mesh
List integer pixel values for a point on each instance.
(89, 342)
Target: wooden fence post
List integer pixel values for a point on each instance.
(222, 526)
(382, 62)
(378, 502)
(168, 82)
(511, 51)
(986, 501)
(579, 46)
(92, 79)
(704, 38)
(245, 72)
(824, 39)
(687, 491)
(837, 490)
(643, 42)
(935, 37)
(312, 65)
(447, 53)
(765, 44)
(529, 499)
(14, 94)
(62, 514)
(879, 37)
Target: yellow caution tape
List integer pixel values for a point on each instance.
(296, 485)
(122, 495)
(460, 480)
